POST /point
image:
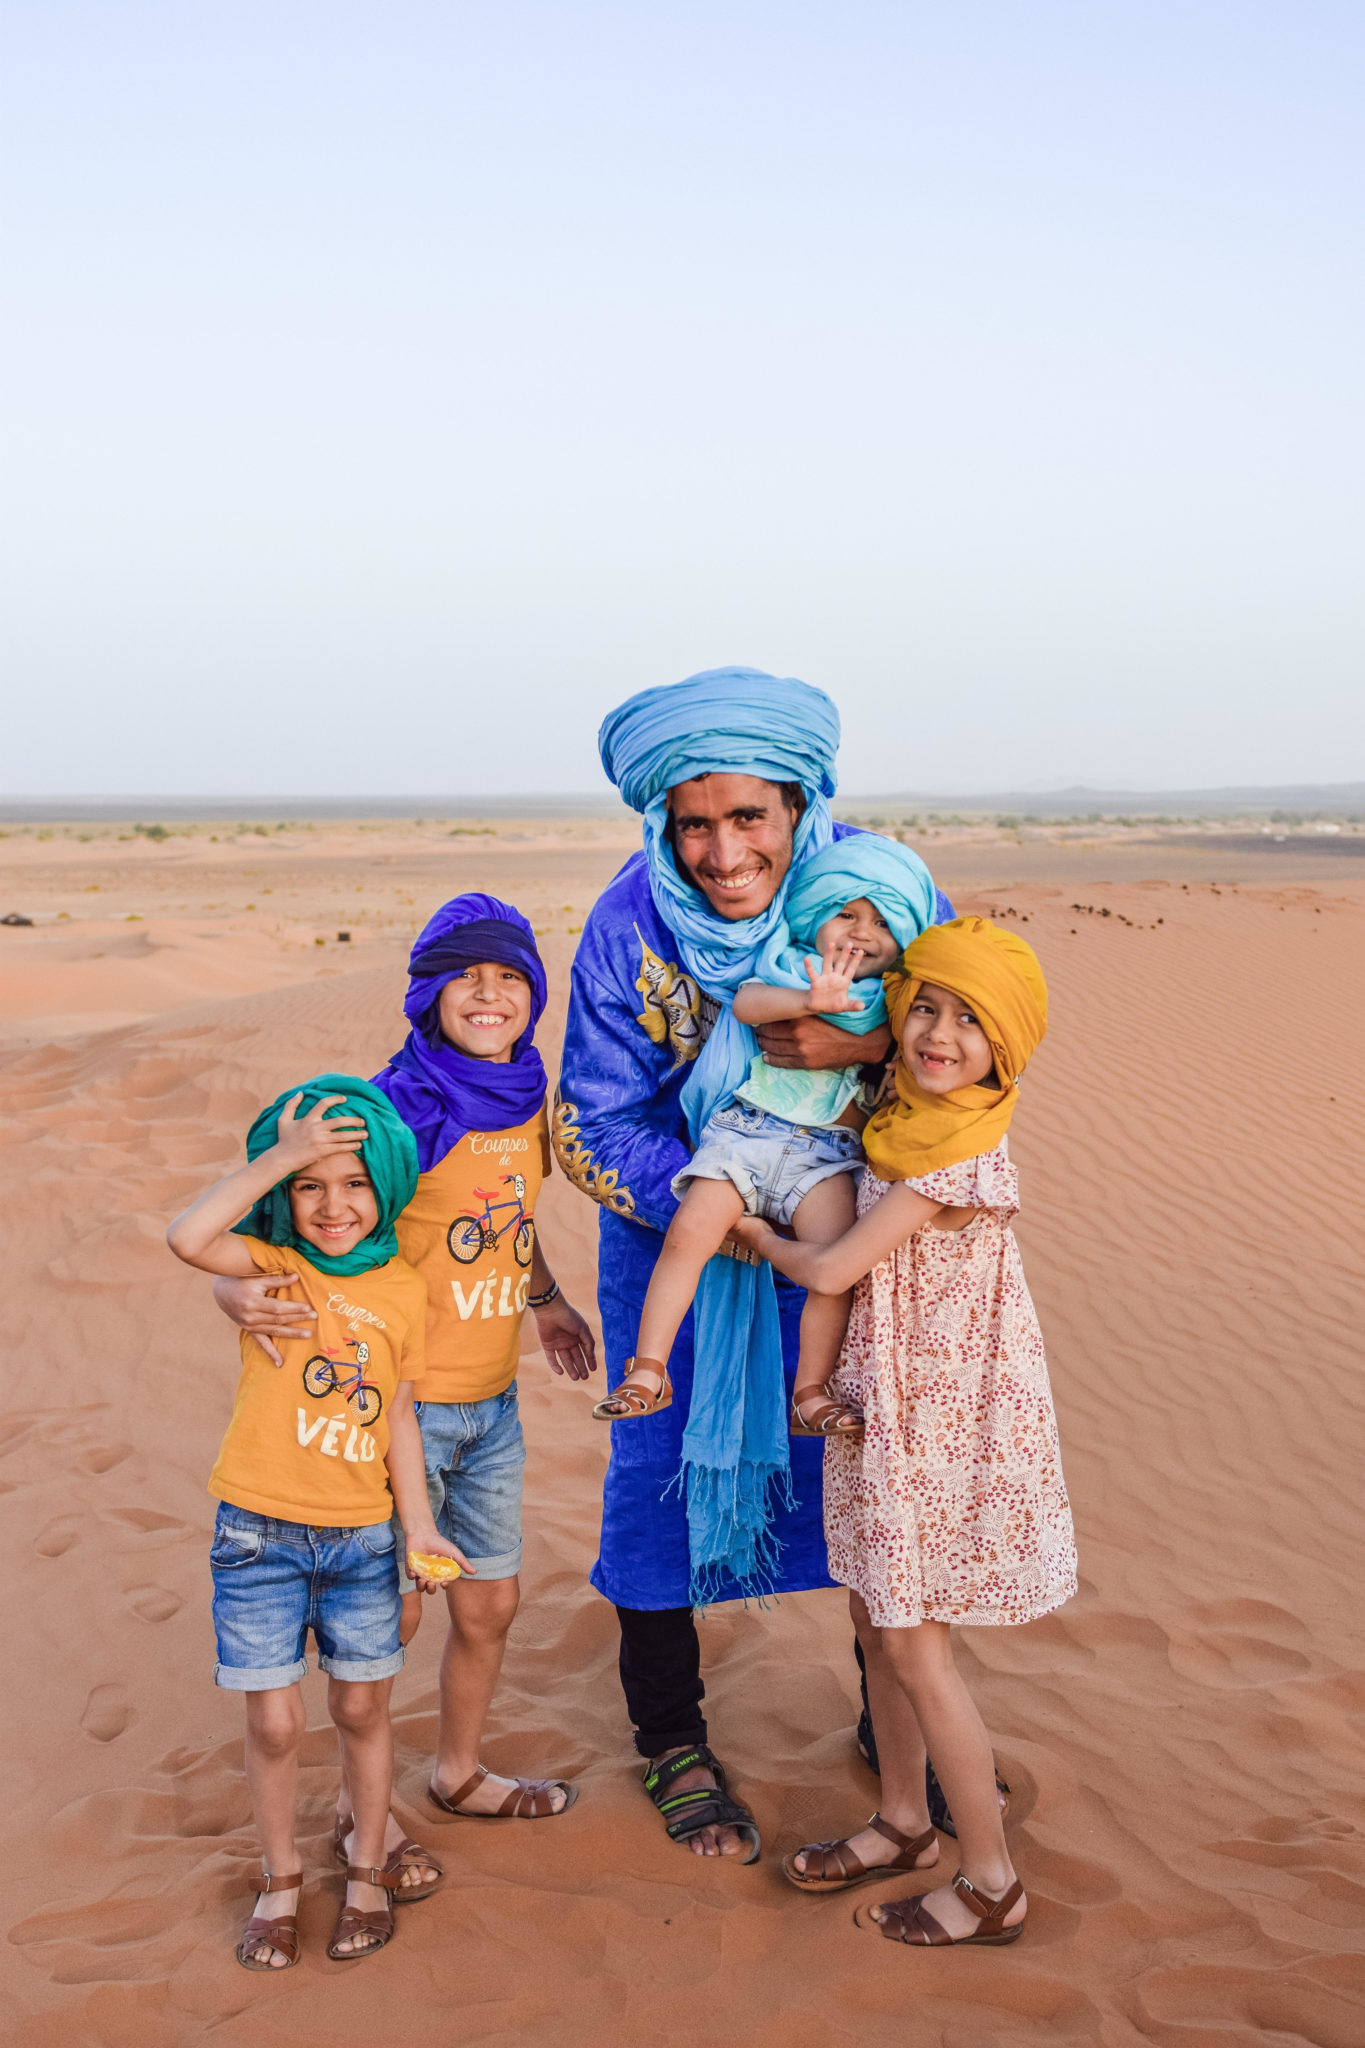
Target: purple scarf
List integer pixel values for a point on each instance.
(442, 1094)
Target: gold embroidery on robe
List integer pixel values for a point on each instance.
(676, 1012)
(579, 1166)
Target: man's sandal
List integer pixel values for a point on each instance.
(834, 1867)
(281, 1934)
(529, 1799)
(409, 1855)
(817, 1413)
(353, 1920)
(627, 1401)
(909, 1921)
(687, 1813)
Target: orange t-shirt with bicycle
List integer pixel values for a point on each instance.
(470, 1233)
(308, 1439)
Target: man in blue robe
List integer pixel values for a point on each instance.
(732, 771)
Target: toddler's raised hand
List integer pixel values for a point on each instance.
(302, 1139)
(830, 978)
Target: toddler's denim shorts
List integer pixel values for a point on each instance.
(773, 1164)
(273, 1581)
(475, 1455)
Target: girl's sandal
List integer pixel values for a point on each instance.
(528, 1799)
(627, 1401)
(409, 1855)
(910, 1921)
(353, 1920)
(839, 1868)
(281, 1934)
(818, 1414)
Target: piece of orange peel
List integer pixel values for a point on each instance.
(423, 1565)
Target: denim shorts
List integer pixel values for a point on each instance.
(773, 1164)
(273, 1581)
(475, 1455)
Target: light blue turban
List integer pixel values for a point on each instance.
(887, 875)
(737, 721)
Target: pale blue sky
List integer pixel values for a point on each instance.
(392, 388)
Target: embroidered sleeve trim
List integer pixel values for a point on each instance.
(579, 1166)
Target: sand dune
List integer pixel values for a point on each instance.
(1183, 1739)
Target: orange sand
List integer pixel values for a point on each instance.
(1183, 1740)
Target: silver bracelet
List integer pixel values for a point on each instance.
(543, 1300)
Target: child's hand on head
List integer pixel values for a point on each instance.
(830, 978)
(302, 1139)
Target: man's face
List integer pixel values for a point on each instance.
(732, 835)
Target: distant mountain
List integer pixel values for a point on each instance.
(1303, 799)
(110, 810)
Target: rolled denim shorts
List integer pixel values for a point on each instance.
(273, 1581)
(773, 1164)
(475, 1455)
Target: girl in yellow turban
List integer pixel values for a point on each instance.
(952, 1509)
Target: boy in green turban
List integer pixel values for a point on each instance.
(316, 1455)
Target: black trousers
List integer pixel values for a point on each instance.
(661, 1677)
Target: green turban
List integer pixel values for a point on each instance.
(390, 1156)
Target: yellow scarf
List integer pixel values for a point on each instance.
(998, 977)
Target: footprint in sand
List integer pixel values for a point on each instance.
(1238, 1644)
(154, 1603)
(148, 1521)
(103, 1457)
(107, 1714)
(58, 1536)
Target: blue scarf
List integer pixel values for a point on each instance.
(442, 1094)
(736, 721)
(889, 876)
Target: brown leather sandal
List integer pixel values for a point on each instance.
(812, 1416)
(409, 1855)
(282, 1934)
(353, 1920)
(840, 1868)
(529, 1799)
(909, 1921)
(637, 1401)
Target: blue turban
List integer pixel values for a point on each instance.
(740, 721)
(892, 878)
(737, 721)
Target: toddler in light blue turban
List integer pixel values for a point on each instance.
(785, 1143)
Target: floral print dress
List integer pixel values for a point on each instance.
(953, 1507)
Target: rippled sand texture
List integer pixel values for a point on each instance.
(1183, 1740)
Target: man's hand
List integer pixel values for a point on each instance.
(565, 1339)
(813, 1042)
(252, 1306)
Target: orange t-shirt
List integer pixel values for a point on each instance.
(308, 1440)
(469, 1233)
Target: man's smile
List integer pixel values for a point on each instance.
(731, 884)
